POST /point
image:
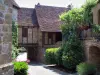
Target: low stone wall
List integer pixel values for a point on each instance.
(7, 69)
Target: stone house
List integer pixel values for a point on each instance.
(39, 28)
(6, 11)
(92, 40)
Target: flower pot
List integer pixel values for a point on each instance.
(84, 27)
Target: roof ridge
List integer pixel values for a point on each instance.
(50, 6)
(26, 8)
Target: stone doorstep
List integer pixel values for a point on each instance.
(6, 67)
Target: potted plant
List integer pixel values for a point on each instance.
(84, 27)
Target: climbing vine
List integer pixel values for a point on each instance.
(15, 50)
(14, 34)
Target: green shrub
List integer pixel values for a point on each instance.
(86, 69)
(59, 54)
(15, 52)
(73, 52)
(50, 55)
(20, 68)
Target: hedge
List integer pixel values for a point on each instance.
(50, 55)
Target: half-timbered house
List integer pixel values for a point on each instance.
(39, 28)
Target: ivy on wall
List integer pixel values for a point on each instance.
(14, 34)
(15, 50)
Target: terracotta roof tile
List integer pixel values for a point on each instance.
(48, 17)
(27, 17)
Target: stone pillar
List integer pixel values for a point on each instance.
(41, 51)
(6, 67)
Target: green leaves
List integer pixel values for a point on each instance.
(15, 51)
(88, 16)
(73, 16)
(20, 68)
(50, 55)
(96, 28)
(73, 52)
(86, 68)
(14, 34)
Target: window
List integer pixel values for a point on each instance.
(58, 36)
(46, 38)
(50, 38)
(24, 32)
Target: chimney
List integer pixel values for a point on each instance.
(70, 6)
(38, 4)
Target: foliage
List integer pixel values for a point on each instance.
(88, 16)
(20, 68)
(72, 46)
(50, 55)
(86, 68)
(96, 28)
(14, 34)
(73, 16)
(59, 54)
(71, 20)
(73, 52)
(15, 52)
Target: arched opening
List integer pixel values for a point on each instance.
(94, 55)
(98, 16)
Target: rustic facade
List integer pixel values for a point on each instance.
(39, 28)
(6, 6)
(92, 45)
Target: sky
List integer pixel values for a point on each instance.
(59, 3)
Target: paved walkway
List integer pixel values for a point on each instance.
(40, 69)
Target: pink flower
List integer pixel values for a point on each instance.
(28, 61)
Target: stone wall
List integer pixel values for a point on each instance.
(15, 14)
(92, 51)
(96, 14)
(6, 68)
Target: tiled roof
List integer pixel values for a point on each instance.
(27, 17)
(48, 17)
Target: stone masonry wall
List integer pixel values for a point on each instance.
(96, 13)
(92, 51)
(6, 68)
